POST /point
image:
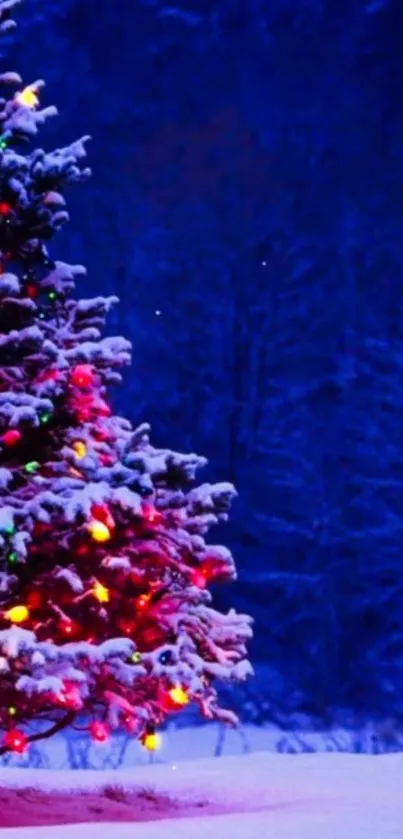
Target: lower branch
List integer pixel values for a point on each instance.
(67, 720)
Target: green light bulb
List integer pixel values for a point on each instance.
(9, 529)
(31, 466)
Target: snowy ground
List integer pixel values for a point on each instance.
(259, 796)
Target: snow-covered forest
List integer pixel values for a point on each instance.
(247, 209)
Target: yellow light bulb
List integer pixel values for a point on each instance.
(80, 449)
(152, 742)
(101, 592)
(28, 97)
(99, 531)
(17, 614)
(179, 696)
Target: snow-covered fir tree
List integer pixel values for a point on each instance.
(105, 616)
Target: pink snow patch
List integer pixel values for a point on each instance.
(30, 807)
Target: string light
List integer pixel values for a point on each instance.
(67, 627)
(135, 658)
(199, 578)
(102, 513)
(28, 97)
(5, 208)
(12, 710)
(143, 601)
(80, 449)
(99, 531)
(82, 375)
(99, 732)
(101, 592)
(151, 740)
(178, 695)
(9, 529)
(31, 291)
(17, 614)
(11, 437)
(15, 740)
(32, 466)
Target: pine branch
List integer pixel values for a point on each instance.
(67, 720)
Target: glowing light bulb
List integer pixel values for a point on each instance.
(80, 449)
(99, 732)
(199, 578)
(11, 437)
(67, 627)
(101, 592)
(16, 741)
(135, 658)
(17, 614)
(143, 601)
(151, 741)
(28, 97)
(12, 710)
(178, 695)
(83, 375)
(32, 466)
(99, 531)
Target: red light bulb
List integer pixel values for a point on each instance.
(101, 513)
(31, 291)
(99, 732)
(69, 628)
(11, 437)
(199, 578)
(5, 208)
(83, 375)
(142, 602)
(70, 696)
(16, 741)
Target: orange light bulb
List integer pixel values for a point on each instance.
(28, 97)
(80, 449)
(178, 695)
(152, 742)
(101, 592)
(17, 614)
(99, 531)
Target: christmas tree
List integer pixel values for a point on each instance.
(105, 616)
